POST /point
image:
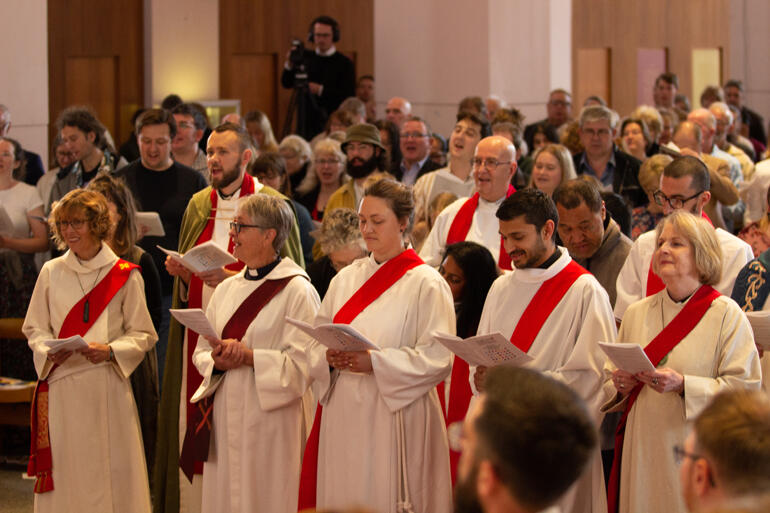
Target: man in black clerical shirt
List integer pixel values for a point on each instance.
(161, 185)
(331, 77)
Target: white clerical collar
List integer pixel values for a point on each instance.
(327, 53)
(533, 275)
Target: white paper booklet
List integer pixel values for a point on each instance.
(628, 357)
(151, 222)
(196, 320)
(342, 337)
(487, 350)
(203, 257)
(760, 324)
(72, 343)
(6, 225)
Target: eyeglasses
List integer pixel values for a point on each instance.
(676, 203)
(76, 224)
(413, 135)
(489, 164)
(236, 226)
(590, 132)
(327, 162)
(185, 124)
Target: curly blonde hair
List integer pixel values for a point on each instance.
(89, 205)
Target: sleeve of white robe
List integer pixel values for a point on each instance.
(138, 334)
(435, 242)
(737, 364)
(282, 376)
(630, 283)
(406, 373)
(37, 324)
(202, 355)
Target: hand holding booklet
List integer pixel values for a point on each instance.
(72, 343)
(341, 337)
(203, 257)
(151, 222)
(487, 350)
(628, 357)
(196, 320)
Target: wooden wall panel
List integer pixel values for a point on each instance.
(623, 26)
(85, 39)
(593, 74)
(266, 27)
(254, 79)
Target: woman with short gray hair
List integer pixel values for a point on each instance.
(341, 242)
(252, 375)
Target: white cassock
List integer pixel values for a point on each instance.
(357, 458)
(566, 349)
(96, 441)
(484, 230)
(259, 428)
(718, 354)
(632, 280)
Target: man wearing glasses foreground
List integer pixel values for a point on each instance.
(725, 461)
(513, 434)
(684, 185)
(473, 219)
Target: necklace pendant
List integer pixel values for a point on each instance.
(85, 312)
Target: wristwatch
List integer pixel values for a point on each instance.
(112, 355)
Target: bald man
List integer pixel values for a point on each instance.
(397, 110)
(494, 164)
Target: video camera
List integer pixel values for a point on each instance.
(297, 63)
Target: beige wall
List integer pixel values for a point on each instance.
(24, 80)
(445, 50)
(182, 49)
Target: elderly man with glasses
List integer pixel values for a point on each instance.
(684, 185)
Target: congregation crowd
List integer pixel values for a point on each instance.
(589, 226)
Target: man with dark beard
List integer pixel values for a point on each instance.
(556, 312)
(525, 441)
(207, 218)
(366, 154)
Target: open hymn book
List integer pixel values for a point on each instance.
(341, 337)
(203, 257)
(487, 350)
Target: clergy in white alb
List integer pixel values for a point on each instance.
(684, 185)
(566, 345)
(473, 219)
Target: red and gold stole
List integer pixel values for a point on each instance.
(195, 300)
(461, 224)
(40, 460)
(390, 272)
(195, 448)
(654, 283)
(673, 333)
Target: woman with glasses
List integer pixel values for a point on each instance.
(325, 175)
(87, 450)
(253, 379)
(699, 343)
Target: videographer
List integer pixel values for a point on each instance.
(321, 78)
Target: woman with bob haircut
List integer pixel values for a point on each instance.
(325, 175)
(700, 343)
(552, 167)
(87, 450)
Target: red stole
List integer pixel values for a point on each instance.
(195, 299)
(461, 224)
(654, 283)
(673, 333)
(40, 460)
(390, 272)
(195, 448)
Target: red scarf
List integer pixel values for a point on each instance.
(387, 275)
(195, 300)
(195, 448)
(673, 333)
(461, 225)
(40, 459)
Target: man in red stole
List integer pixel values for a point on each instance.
(684, 185)
(206, 218)
(473, 219)
(554, 310)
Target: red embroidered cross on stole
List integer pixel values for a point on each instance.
(195, 300)
(387, 275)
(195, 448)
(40, 461)
(673, 333)
(461, 225)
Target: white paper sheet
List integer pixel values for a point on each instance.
(628, 357)
(203, 257)
(151, 221)
(72, 343)
(760, 324)
(341, 337)
(487, 350)
(196, 320)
